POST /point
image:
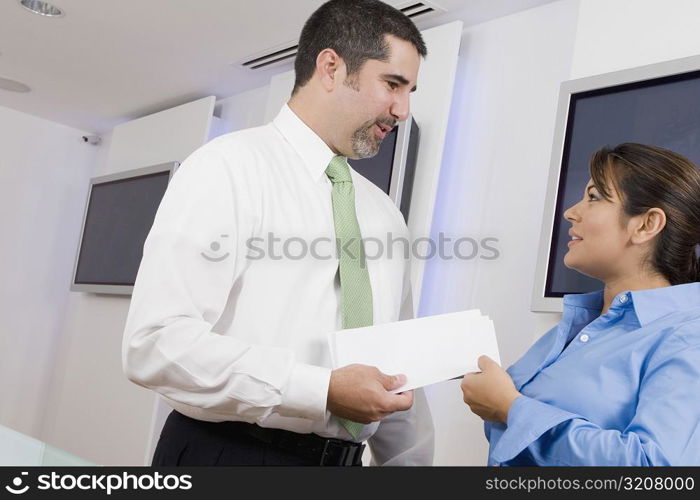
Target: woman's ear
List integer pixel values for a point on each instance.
(648, 225)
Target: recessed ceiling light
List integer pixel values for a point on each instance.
(13, 85)
(42, 8)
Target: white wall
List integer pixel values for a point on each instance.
(493, 181)
(280, 90)
(44, 172)
(620, 34)
(244, 110)
(93, 410)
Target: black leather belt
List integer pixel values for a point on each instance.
(313, 447)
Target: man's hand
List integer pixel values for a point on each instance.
(361, 393)
(490, 393)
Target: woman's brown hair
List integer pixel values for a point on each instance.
(651, 177)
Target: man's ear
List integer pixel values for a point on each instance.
(648, 225)
(328, 68)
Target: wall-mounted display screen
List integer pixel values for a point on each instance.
(654, 105)
(118, 217)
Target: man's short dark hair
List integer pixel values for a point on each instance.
(355, 30)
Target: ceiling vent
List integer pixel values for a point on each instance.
(272, 57)
(287, 52)
(415, 9)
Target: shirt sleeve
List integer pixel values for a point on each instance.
(193, 258)
(406, 437)
(664, 430)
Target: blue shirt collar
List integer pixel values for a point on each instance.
(649, 305)
(592, 300)
(652, 304)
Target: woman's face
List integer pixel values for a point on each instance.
(600, 240)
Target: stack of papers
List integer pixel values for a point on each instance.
(427, 350)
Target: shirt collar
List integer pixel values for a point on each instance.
(315, 153)
(649, 305)
(592, 300)
(652, 304)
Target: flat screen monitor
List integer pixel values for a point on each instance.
(118, 217)
(393, 168)
(654, 105)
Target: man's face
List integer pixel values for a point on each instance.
(371, 101)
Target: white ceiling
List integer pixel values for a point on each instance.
(106, 62)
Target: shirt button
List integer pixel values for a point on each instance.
(584, 338)
(623, 298)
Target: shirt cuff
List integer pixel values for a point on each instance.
(306, 393)
(528, 419)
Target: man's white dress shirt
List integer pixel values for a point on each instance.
(237, 289)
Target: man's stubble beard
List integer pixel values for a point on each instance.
(365, 143)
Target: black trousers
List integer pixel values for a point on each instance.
(188, 442)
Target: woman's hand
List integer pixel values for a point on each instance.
(490, 393)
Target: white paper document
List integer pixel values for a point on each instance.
(427, 350)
